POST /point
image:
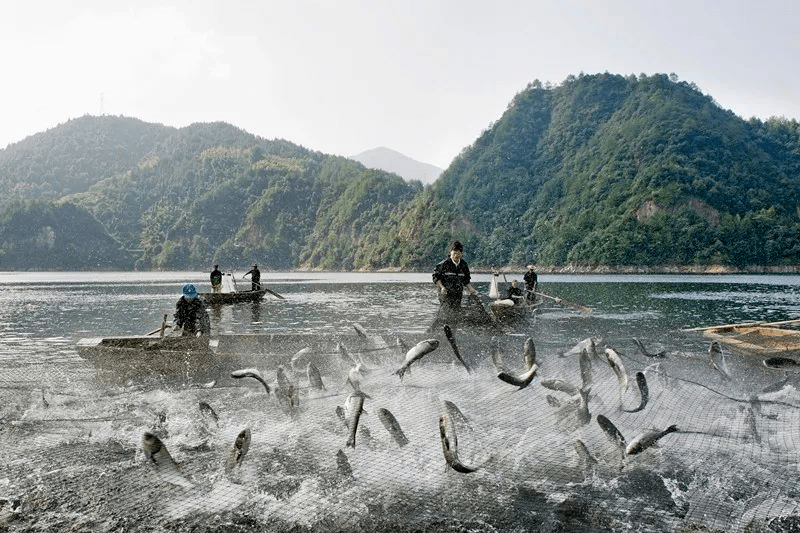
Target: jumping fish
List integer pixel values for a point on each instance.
(208, 412)
(354, 406)
(300, 357)
(644, 440)
(343, 465)
(314, 377)
(239, 450)
(589, 344)
(524, 379)
(157, 455)
(584, 417)
(643, 392)
(392, 426)
(642, 349)
(456, 414)
(286, 392)
(585, 458)
(612, 433)
(416, 353)
(354, 376)
(345, 355)
(250, 373)
(717, 359)
(452, 340)
(560, 385)
(497, 358)
(360, 330)
(615, 362)
(447, 432)
(586, 369)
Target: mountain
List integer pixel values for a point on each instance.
(601, 170)
(382, 158)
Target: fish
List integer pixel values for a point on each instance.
(641, 380)
(456, 414)
(612, 433)
(300, 357)
(287, 390)
(586, 369)
(208, 412)
(584, 417)
(354, 376)
(340, 414)
(343, 465)
(780, 362)
(560, 385)
(589, 344)
(159, 458)
(416, 353)
(354, 406)
(345, 355)
(647, 439)
(392, 426)
(585, 458)
(615, 362)
(642, 349)
(239, 450)
(717, 359)
(524, 379)
(250, 373)
(497, 358)
(360, 331)
(452, 340)
(314, 377)
(553, 401)
(447, 433)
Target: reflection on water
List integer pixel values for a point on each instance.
(71, 435)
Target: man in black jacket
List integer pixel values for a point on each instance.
(452, 277)
(190, 313)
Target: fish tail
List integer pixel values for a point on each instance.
(400, 372)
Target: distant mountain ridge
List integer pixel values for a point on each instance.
(600, 171)
(383, 158)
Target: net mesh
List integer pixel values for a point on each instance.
(73, 457)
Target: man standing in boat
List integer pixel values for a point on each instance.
(255, 278)
(452, 277)
(531, 281)
(190, 313)
(216, 279)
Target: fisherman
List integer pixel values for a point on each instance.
(531, 281)
(255, 278)
(452, 277)
(216, 279)
(514, 292)
(190, 313)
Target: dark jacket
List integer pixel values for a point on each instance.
(191, 315)
(216, 277)
(454, 278)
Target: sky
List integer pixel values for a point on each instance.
(422, 77)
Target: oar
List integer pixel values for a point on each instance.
(746, 324)
(580, 307)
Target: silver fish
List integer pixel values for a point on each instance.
(360, 331)
(250, 373)
(299, 358)
(560, 385)
(586, 460)
(497, 358)
(529, 358)
(717, 359)
(553, 401)
(345, 355)
(354, 406)
(159, 458)
(586, 369)
(612, 433)
(452, 340)
(456, 414)
(642, 349)
(529, 353)
(615, 362)
(239, 450)
(343, 465)
(447, 433)
(314, 377)
(392, 426)
(643, 392)
(416, 353)
(644, 440)
(354, 376)
(584, 417)
(589, 344)
(208, 412)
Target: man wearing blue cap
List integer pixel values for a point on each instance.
(191, 314)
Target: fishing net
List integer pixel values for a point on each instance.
(482, 453)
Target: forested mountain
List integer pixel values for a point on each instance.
(601, 169)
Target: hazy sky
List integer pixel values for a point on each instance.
(424, 78)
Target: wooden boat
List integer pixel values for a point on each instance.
(509, 310)
(759, 340)
(219, 298)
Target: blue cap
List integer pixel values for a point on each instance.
(189, 292)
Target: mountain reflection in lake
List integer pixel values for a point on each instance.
(72, 459)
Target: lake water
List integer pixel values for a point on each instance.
(71, 434)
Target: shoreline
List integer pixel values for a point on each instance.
(624, 269)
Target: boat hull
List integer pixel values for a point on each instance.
(220, 298)
(759, 341)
